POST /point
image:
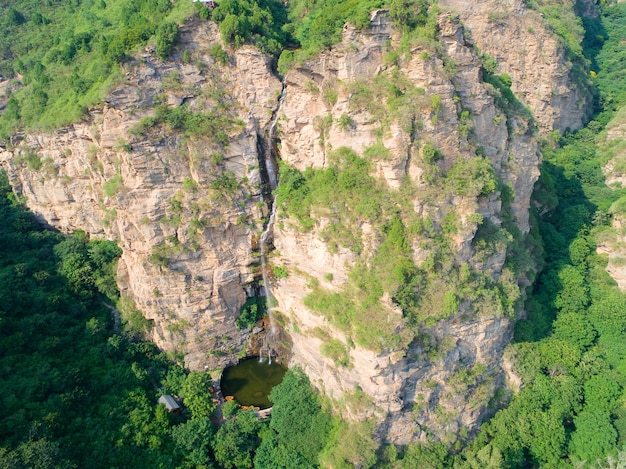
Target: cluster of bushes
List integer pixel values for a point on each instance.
(79, 47)
(262, 23)
(317, 25)
(214, 124)
(253, 309)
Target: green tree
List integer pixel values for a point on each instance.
(594, 436)
(602, 393)
(234, 30)
(197, 395)
(167, 35)
(235, 442)
(193, 438)
(409, 13)
(301, 426)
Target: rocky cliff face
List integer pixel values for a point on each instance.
(187, 206)
(612, 243)
(186, 209)
(410, 392)
(518, 38)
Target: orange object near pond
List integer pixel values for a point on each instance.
(251, 380)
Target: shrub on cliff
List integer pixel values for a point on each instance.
(167, 35)
(260, 22)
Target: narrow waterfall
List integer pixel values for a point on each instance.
(271, 167)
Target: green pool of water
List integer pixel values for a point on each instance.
(251, 381)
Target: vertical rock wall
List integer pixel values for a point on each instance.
(524, 47)
(188, 209)
(411, 393)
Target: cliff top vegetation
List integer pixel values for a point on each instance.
(60, 58)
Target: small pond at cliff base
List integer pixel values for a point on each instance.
(250, 381)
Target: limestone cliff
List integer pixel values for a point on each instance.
(410, 388)
(521, 42)
(188, 206)
(185, 209)
(613, 242)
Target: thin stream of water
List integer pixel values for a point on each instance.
(272, 174)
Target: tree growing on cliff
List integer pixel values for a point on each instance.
(167, 36)
(409, 13)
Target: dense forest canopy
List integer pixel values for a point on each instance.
(78, 390)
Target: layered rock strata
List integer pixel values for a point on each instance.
(523, 46)
(409, 392)
(188, 208)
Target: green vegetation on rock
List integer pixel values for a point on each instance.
(79, 46)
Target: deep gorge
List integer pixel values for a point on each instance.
(406, 240)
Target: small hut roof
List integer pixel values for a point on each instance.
(169, 402)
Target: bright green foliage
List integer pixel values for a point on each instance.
(378, 151)
(88, 264)
(216, 123)
(430, 154)
(299, 427)
(317, 24)
(167, 35)
(602, 393)
(409, 13)
(113, 185)
(219, 54)
(345, 122)
(573, 327)
(569, 410)
(574, 293)
(471, 178)
(192, 439)
(609, 34)
(77, 394)
(346, 187)
(236, 440)
(78, 48)
(197, 396)
(261, 22)
(450, 303)
(253, 309)
(336, 351)
(351, 445)
(389, 97)
(594, 436)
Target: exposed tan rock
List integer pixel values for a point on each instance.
(103, 179)
(194, 301)
(400, 382)
(613, 244)
(523, 46)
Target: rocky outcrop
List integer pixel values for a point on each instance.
(613, 243)
(524, 47)
(409, 387)
(186, 209)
